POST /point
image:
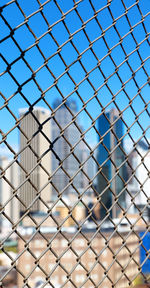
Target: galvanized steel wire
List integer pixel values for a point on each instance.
(6, 105)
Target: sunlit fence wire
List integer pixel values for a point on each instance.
(74, 193)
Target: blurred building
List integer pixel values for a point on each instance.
(90, 267)
(35, 157)
(110, 158)
(65, 136)
(91, 165)
(139, 181)
(8, 200)
(10, 280)
(59, 215)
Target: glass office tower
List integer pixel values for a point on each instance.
(110, 158)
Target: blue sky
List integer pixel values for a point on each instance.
(26, 42)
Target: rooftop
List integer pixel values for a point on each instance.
(36, 108)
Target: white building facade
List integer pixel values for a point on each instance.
(139, 185)
(8, 194)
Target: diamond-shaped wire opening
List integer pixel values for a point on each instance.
(95, 55)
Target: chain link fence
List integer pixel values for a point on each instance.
(74, 154)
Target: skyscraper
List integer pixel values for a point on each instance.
(65, 135)
(110, 157)
(34, 146)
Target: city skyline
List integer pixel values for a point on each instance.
(85, 91)
(128, 143)
(61, 150)
(74, 143)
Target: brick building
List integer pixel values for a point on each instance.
(91, 259)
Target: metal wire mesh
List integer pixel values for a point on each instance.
(81, 168)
